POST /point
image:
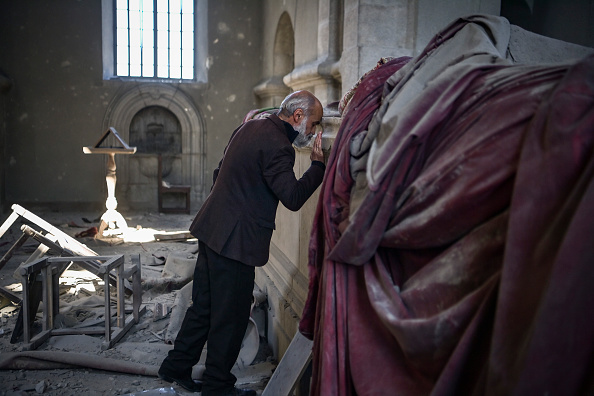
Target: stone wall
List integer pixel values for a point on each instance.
(52, 52)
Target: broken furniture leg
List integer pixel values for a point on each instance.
(33, 294)
(16, 246)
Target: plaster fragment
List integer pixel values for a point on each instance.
(223, 27)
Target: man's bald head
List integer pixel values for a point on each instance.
(303, 100)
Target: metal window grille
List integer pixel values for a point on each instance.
(154, 38)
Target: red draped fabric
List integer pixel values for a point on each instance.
(462, 263)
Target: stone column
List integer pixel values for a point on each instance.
(373, 30)
(321, 76)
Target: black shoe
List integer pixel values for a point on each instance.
(186, 383)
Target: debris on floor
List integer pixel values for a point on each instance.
(72, 364)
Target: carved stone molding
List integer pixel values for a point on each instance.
(271, 91)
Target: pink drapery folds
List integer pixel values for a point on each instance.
(452, 251)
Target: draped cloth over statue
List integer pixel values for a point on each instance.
(452, 251)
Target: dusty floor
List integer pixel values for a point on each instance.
(167, 266)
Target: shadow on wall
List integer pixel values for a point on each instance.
(570, 21)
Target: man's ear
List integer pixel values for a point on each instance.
(298, 116)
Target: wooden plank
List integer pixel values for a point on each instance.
(10, 295)
(101, 150)
(17, 245)
(8, 223)
(174, 235)
(289, 371)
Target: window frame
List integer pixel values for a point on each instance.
(200, 46)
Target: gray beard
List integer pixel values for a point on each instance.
(302, 140)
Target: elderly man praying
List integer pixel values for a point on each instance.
(234, 228)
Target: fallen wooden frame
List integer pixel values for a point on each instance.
(50, 269)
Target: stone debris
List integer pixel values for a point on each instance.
(41, 386)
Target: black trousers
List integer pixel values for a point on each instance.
(222, 297)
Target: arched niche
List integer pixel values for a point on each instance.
(284, 47)
(120, 114)
(272, 91)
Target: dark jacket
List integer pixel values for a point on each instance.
(237, 218)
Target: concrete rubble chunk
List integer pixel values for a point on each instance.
(41, 386)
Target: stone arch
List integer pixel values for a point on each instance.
(122, 110)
